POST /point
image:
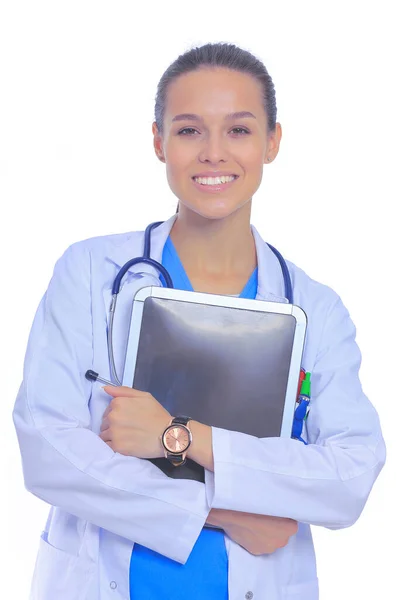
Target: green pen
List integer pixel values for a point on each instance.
(304, 395)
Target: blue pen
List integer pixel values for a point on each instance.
(302, 411)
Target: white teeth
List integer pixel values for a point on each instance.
(215, 180)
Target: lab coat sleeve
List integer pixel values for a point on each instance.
(68, 465)
(327, 482)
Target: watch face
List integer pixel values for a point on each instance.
(176, 439)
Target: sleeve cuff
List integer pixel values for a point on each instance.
(187, 537)
(217, 483)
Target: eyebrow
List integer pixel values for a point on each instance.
(236, 115)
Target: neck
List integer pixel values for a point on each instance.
(224, 247)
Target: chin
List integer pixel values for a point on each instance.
(213, 209)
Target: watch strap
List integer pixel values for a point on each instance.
(182, 419)
(176, 459)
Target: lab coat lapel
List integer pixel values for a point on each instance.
(132, 247)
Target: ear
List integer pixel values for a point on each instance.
(157, 142)
(273, 144)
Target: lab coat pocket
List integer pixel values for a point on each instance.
(58, 574)
(307, 590)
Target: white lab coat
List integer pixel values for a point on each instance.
(101, 501)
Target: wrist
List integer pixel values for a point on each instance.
(214, 518)
(200, 449)
(220, 518)
(160, 444)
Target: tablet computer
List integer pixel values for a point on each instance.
(224, 361)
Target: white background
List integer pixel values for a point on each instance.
(78, 81)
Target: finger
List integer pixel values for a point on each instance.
(121, 390)
(107, 411)
(106, 435)
(104, 425)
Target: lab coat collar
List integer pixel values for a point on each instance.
(270, 278)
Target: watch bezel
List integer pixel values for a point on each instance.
(173, 426)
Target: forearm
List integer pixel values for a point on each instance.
(219, 517)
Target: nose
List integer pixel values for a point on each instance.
(213, 149)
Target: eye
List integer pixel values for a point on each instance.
(241, 129)
(186, 129)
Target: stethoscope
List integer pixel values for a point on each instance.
(91, 375)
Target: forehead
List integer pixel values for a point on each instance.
(214, 92)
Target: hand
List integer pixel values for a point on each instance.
(258, 534)
(134, 422)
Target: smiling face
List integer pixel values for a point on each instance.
(200, 136)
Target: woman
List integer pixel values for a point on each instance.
(118, 527)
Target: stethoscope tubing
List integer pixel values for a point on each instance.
(287, 279)
(143, 259)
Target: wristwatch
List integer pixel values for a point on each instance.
(176, 440)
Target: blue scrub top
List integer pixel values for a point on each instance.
(205, 574)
